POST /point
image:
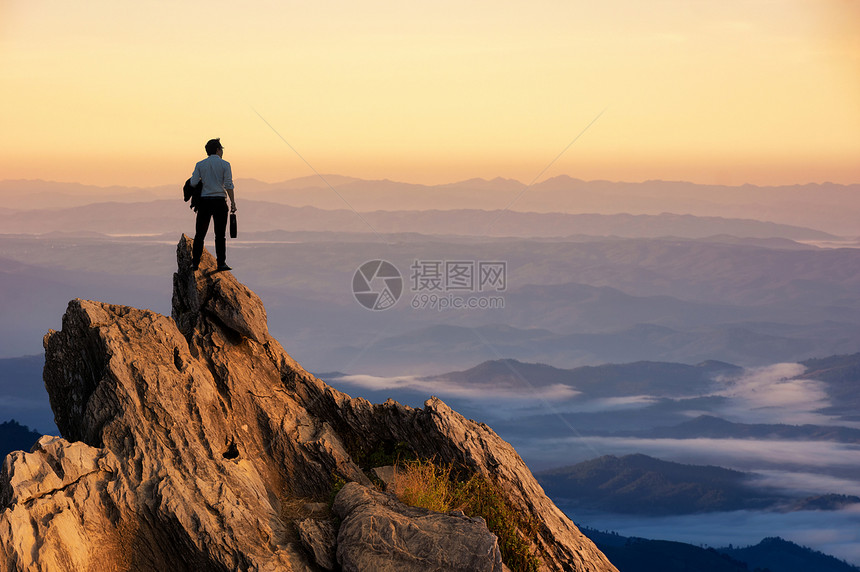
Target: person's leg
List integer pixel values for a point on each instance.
(204, 213)
(220, 213)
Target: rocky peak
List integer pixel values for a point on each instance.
(197, 443)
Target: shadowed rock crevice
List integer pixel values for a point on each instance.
(197, 443)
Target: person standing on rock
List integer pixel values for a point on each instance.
(217, 180)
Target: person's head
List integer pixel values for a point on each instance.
(213, 146)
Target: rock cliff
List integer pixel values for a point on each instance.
(194, 442)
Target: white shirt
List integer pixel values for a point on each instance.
(216, 174)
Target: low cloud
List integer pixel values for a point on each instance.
(806, 483)
(611, 404)
(555, 392)
(775, 394)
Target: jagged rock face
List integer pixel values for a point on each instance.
(196, 443)
(320, 538)
(57, 484)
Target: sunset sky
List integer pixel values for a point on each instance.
(735, 91)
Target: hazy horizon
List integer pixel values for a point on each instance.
(333, 179)
(829, 207)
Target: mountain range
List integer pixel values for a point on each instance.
(165, 215)
(825, 206)
(640, 484)
(747, 344)
(711, 427)
(840, 373)
(772, 554)
(610, 380)
(568, 302)
(778, 555)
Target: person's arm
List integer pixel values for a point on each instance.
(228, 186)
(195, 176)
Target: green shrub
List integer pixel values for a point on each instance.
(427, 485)
(423, 484)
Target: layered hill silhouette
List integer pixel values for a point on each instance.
(841, 374)
(610, 380)
(772, 554)
(779, 555)
(612, 300)
(709, 426)
(639, 484)
(197, 443)
(827, 206)
(163, 216)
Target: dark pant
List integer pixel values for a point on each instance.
(214, 208)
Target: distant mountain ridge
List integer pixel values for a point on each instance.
(115, 217)
(631, 554)
(639, 484)
(773, 554)
(841, 373)
(462, 346)
(708, 426)
(778, 555)
(613, 300)
(610, 380)
(644, 485)
(827, 206)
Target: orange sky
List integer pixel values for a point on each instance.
(761, 91)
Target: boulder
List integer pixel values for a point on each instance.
(379, 533)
